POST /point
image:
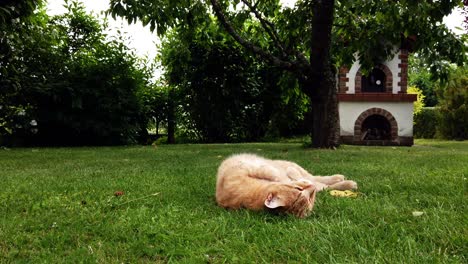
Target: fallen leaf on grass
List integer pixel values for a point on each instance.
(118, 193)
(346, 193)
(417, 213)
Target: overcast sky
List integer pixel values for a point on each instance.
(143, 41)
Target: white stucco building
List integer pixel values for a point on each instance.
(375, 109)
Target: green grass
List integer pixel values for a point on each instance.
(58, 205)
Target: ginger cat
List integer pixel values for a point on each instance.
(256, 183)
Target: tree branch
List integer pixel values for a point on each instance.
(267, 26)
(270, 29)
(293, 66)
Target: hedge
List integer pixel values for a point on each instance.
(425, 123)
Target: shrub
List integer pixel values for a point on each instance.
(419, 104)
(453, 118)
(160, 141)
(420, 76)
(425, 123)
(66, 84)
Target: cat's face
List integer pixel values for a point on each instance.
(296, 198)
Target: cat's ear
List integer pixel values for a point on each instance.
(273, 201)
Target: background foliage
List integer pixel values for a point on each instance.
(224, 93)
(282, 37)
(64, 82)
(420, 76)
(68, 83)
(448, 119)
(453, 118)
(420, 100)
(425, 123)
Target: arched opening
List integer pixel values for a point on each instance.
(375, 82)
(376, 127)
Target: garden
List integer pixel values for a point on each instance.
(103, 160)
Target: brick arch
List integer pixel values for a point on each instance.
(376, 111)
(388, 79)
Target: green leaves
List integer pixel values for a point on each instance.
(225, 94)
(74, 81)
(11, 10)
(161, 15)
(453, 118)
(373, 28)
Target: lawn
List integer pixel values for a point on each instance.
(59, 205)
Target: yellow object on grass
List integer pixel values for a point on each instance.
(346, 193)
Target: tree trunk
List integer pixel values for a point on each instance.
(157, 127)
(171, 117)
(325, 116)
(319, 83)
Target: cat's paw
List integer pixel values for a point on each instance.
(338, 177)
(350, 185)
(344, 185)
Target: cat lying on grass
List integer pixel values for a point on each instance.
(256, 183)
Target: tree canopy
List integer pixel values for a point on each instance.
(371, 28)
(11, 10)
